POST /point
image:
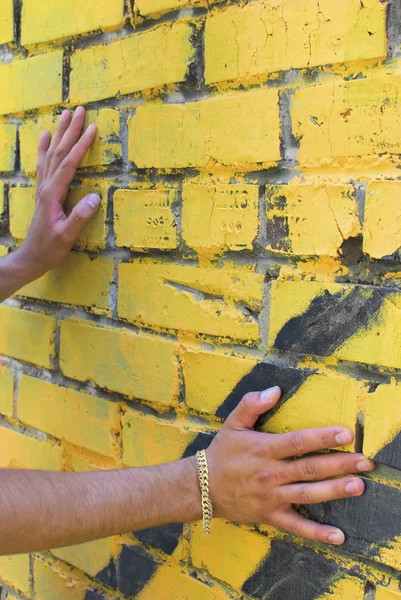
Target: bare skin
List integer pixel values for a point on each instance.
(253, 476)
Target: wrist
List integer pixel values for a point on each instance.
(188, 508)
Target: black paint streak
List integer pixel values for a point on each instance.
(390, 454)
(163, 537)
(135, 569)
(263, 376)
(372, 519)
(108, 575)
(292, 573)
(201, 442)
(330, 320)
(93, 595)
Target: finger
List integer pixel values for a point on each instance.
(69, 139)
(252, 405)
(300, 526)
(66, 171)
(43, 147)
(286, 445)
(79, 217)
(322, 491)
(325, 466)
(63, 125)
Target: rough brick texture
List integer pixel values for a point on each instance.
(248, 162)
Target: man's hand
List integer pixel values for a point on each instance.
(52, 234)
(255, 479)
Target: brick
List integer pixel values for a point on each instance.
(145, 219)
(344, 119)
(15, 571)
(232, 129)
(382, 226)
(2, 196)
(18, 451)
(382, 440)
(135, 365)
(91, 557)
(210, 377)
(27, 336)
(293, 211)
(6, 391)
(247, 550)
(40, 23)
(148, 441)
(78, 418)
(173, 584)
(220, 217)
(355, 323)
(49, 583)
(7, 22)
(264, 37)
(31, 83)
(93, 235)
(145, 60)
(3, 251)
(146, 7)
(106, 148)
(383, 593)
(22, 207)
(8, 147)
(196, 299)
(79, 280)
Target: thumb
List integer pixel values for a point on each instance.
(252, 405)
(80, 215)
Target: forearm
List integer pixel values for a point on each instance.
(41, 509)
(14, 273)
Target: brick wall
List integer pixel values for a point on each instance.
(248, 160)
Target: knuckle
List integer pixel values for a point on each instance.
(60, 153)
(304, 496)
(297, 442)
(325, 440)
(294, 529)
(266, 477)
(310, 469)
(247, 400)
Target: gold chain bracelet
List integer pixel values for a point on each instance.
(203, 475)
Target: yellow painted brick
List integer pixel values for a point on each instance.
(41, 23)
(144, 60)
(15, 570)
(2, 194)
(382, 418)
(3, 251)
(382, 219)
(93, 235)
(230, 553)
(50, 585)
(6, 391)
(91, 558)
(201, 300)
(383, 593)
(22, 207)
(8, 146)
(105, 150)
(210, 377)
(79, 418)
(220, 217)
(348, 118)
(18, 451)
(148, 441)
(135, 365)
(311, 219)
(169, 583)
(31, 83)
(263, 37)
(78, 280)
(27, 336)
(146, 7)
(351, 588)
(7, 21)
(355, 323)
(144, 219)
(232, 129)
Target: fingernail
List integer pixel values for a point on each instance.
(337, 537)
(344, 438)
(79, 109)
(365, 465)
(267, 396)
(352, 487)
(65, 113)
(93, 200)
